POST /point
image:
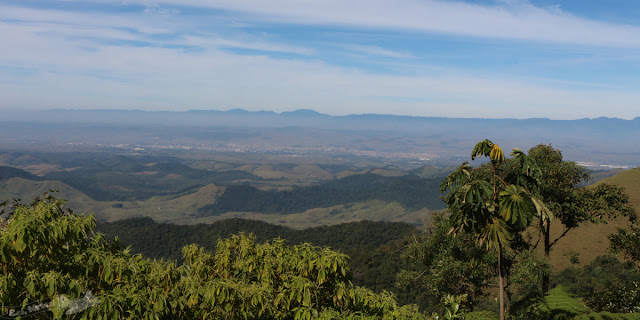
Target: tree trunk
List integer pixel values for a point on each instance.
(500, 281)
(547, 250)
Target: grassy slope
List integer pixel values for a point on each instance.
(20, 188)
(589, 240)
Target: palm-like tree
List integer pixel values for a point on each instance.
(492, 202)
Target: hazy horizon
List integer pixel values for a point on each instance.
(28, 113)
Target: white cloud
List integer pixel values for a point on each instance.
(517, 20)
(213, 41)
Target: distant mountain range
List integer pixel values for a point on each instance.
(217, 117)
(136, 116)
(600, 140)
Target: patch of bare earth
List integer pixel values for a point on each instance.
(145, 173)
(121, 188)
(41, 169)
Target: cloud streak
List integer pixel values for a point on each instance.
(517, 20)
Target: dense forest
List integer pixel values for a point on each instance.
(410, 191)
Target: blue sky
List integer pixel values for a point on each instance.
(559, 59)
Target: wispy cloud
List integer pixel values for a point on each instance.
(213, 41)
(517, 20)
(375, 51)
(105, 28)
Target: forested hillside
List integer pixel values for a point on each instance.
(11, 172)
(125, 179)
(410, 191)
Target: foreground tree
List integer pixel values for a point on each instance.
(492, 202)
(51, 262)
(572, 206)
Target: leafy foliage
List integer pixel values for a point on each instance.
(606, 284)
(627, 243)
(558, 300)
(273, 281)
(527, 270)
(618, 298)
(608, 316)
(446, 265)
(559, 200)
(557, 304)
(481, 315)
(372, 246)
(46, 254)
(493, 203)
(485, 201)
(49, 253)
(601, 274)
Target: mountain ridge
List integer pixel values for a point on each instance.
(311, 112)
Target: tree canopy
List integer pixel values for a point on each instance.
(54, 267)
(571, 205)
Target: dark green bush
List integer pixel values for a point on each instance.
(620, 298)
(608, 316)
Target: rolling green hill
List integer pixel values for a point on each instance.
(21, 188)
(125, 178)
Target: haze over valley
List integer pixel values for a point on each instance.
(400, 140)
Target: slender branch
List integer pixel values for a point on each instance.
(539, 237)
(564, 233)
(420, 275)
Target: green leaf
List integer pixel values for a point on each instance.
(20, 244)
(482, 148)
(516, 206)
(542, 210)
